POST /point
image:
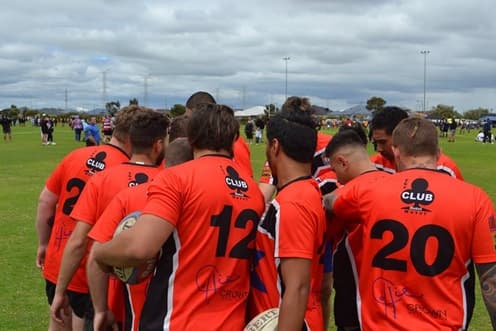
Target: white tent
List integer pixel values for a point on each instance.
(253, 111)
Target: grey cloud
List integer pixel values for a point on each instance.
(341, 51)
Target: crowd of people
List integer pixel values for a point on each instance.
(397, 235)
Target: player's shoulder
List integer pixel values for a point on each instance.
(322, 140)
(369, 178)
(300, 192)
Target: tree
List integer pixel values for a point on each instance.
(14, 112)
(177, 110)
(270, 110)
(112, 107)
(133, 101)
(475, 114)
(445, 111)
(375, 103)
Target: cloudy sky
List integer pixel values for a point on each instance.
(341, 52)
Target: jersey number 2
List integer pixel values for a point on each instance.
(223, 221)
(70, 202)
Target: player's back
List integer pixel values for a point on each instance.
(202, 278)
(103, 187)
(242, 155)
(421, 234)
(348, 249)
(319, 167)
(67, 181)
(293, 227)
(127, 201)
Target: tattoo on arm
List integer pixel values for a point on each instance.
(487, 276)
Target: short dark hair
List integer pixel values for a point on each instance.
(296, 103)
(213, 127)
(178, 127)
(387, 118)
(358, 129)
(296, 132)
(416, 137)
(199, 98)
(341, 139)
(178, 151)
(146, 128)
(122, 122)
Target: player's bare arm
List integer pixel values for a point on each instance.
(268, 191)
(487, 277)
(73, 254)
(328, 201)
(135, 245)
(97, 281)
(296, 278)
(47, 203)
(98, 284)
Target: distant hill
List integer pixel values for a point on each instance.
(355, 110)
(321, 111)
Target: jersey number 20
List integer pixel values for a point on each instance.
(444, 254)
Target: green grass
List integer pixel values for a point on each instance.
(25, 165)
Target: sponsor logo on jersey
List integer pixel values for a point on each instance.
(139, 178)
(236, 183)
(96, 163)
(418, 195)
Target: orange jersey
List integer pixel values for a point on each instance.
(67, 182)
(125, 202)
(422, 232)
(444, 164)
(328, 182)
(241, 153)
(347, 255)
(319, 167)
(97, 194)
(202, 277)
(102, 188)
(293, 227)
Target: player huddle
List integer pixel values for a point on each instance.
(212, 248)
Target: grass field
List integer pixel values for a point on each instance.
(25, 164)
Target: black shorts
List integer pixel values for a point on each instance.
(80, 302)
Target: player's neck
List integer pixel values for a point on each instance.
(142, 159)
(363, 167)
(126, 147)
(290, 170)
(410, 162)
(197, 153)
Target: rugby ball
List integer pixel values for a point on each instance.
(265, 321)
(133, 275)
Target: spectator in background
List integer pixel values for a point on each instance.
(260, 126)
(108, 128)
(487, 132)
(50, 127)
(7, 132)
(452, 130)
(77, 126)
(44, 129)
(92, 133)
(249, 131)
